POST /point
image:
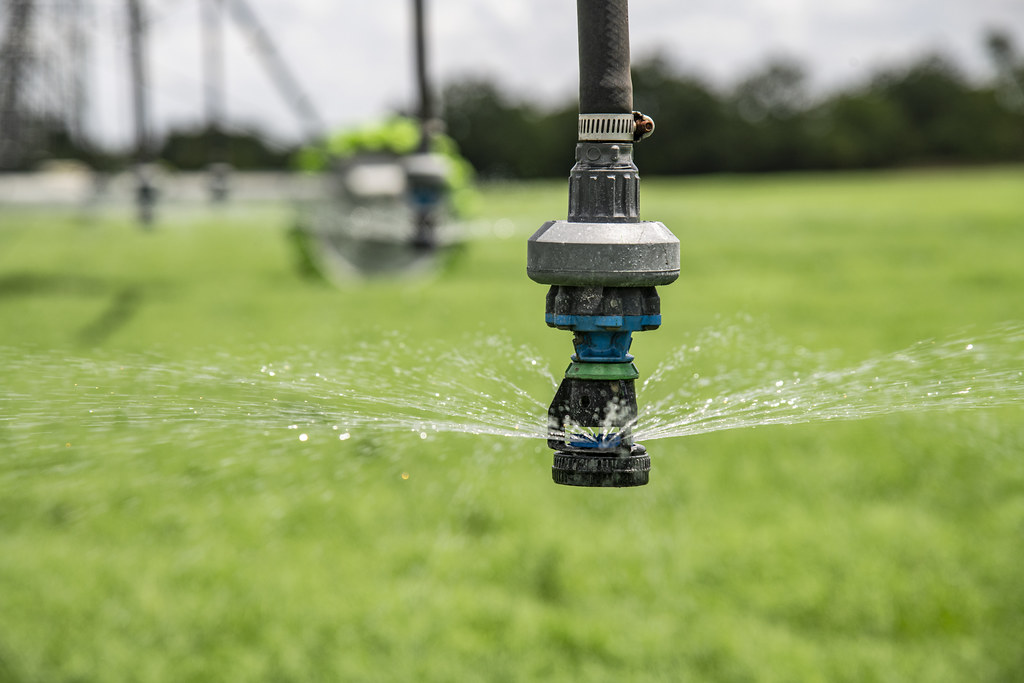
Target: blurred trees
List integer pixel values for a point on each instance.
(504, 137)
(925, 112)
(190, 150)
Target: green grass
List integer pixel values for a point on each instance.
(881, 550)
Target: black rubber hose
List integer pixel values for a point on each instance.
(426, 104)
(605, 84)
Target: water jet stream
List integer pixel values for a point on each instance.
(727, 377)
(748, 383)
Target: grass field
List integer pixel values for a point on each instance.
(226, 548)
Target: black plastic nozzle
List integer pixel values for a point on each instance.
(592, 414)
(590, 425)
(591, 419)
(597, 470)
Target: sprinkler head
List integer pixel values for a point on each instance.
(592, 414)
(603, 264)
(427, 180)
(145, 194)
(590, 424)
(591, 419)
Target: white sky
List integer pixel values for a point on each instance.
(354, 57)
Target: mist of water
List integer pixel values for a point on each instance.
(488, 385)
(728, 377)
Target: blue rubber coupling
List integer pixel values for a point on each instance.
(603, 338)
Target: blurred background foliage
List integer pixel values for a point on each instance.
(924, 112)
(927, 111)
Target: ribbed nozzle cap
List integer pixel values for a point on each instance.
(602, 469)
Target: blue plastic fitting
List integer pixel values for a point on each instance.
(603, 338)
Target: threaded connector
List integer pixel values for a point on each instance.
(573, 468)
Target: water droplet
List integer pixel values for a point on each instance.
(780, 383)
(303, 437)
(423, 435)
(969, 347)
(405, 475)
(344, 436)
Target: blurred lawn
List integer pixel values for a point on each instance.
(883, 550)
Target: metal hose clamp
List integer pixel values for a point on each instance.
(606, 127)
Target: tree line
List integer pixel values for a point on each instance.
(924, 112)
(927, 111)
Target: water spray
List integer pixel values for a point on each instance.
(603, 265)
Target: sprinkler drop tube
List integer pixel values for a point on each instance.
(145, 193)
(425, 171)
(602, 265)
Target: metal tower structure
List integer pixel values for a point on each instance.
(43, 48)
(282, 76)
(14, 62)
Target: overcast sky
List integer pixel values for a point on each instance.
(354, 57)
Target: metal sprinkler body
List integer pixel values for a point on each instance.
(603, 265)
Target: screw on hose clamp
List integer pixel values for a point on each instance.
(643, 126)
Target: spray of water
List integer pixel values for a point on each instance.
(723, 378)
(400, 386)
(728, 379)
(393, 385)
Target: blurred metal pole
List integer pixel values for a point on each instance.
(425, 175)
(145, 194)
(426, 104)
(78, 48)
(213, 96)
(13, 60)
(277, 68)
